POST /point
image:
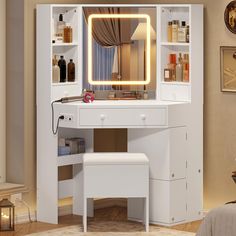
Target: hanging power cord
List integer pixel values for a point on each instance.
(88, 97)
(27, 206)
(58, 119)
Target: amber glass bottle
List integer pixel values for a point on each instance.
(68, 34)
(71, 71)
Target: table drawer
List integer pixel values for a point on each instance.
(123, 117)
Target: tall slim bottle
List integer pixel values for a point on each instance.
(60, 29)
(179, 69)
(62, 65)
(175, 26)
(186, 68)
(55, 70)
(71, 71)
(169, 32)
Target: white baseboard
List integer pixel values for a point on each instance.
(24, 217)
(62, 211)
(67, 209)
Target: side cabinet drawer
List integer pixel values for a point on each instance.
(121, 117)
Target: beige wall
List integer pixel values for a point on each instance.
(3, 90)
(15, 90)
(219, 109)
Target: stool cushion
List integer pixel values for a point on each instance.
(115, 158)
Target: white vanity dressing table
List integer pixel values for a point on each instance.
(168, 129)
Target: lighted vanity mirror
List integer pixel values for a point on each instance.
(120, 48)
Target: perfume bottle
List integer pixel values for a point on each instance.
(55, 70)
(186, 68)
(172, 66)
(169, 32)
(179, 69)
(167, 75)
(175, 26)
(182, 32)
(186, 73)
(71, 71)
(187, 34)
(60, 29)
(62, 65)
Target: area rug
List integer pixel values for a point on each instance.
(76, 230)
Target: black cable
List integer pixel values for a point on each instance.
(58, 119)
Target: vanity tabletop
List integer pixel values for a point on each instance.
(124, 103)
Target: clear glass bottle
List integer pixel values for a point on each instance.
(62, 65)
(182, 32)
(175, 26)
(60, 29)
(168, 74)
(179, 69)
(186, 68)
(169, 32)
(71, 71)
(55, 70)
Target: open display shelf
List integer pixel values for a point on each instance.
(65, 44)
(174, 90)
(73, 50)
(175, 44)
(69, 159)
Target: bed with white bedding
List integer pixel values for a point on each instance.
(220, 221)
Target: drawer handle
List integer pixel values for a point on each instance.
(143, 117)
(102, 117)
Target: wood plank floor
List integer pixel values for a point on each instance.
(108, 214)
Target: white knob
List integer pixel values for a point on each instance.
(102, 117)
(143, 117)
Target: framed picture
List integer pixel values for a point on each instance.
(230, 16)
(228, 68)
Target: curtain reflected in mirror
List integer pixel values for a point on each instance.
(118, 49)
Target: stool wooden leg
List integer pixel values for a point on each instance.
(85, 215)
(147, 214)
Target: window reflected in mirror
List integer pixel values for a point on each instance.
(120, 50)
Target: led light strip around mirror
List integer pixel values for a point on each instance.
(148, 48)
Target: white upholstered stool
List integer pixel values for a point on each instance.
(116, 175)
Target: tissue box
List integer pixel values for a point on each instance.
(62, 151)
(77, 145)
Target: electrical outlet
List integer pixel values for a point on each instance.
(68, 117)
(16, 198)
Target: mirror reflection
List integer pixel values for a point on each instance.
(119, 48)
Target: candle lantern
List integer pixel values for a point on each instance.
(7, 215)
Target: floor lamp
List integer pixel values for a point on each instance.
(140, 33)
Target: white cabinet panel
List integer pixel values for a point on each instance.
(171, 205)
(178, 153)
(167, 203)
(195, 193)
(121, 117)
(165, 148)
